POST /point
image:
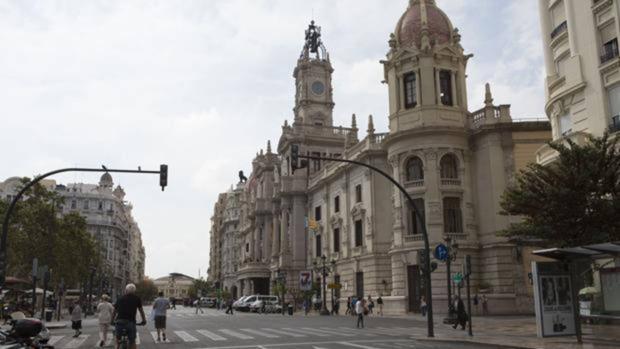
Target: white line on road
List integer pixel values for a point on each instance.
(357, 345)
(296, 335)
(314, 333)
(54, 339)
(76, 342)
(278, 345)
(186, 337)
(236, 334)
(330, 332)
(211, 335)
(259, 333)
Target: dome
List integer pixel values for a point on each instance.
(106, 180)
(420, 14)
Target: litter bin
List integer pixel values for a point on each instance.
(290, 310)
(48, 315)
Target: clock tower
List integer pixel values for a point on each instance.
(314, 102)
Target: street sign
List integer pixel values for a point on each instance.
(334, 286)
(457, 278)
(441, 252)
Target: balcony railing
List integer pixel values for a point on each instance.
(453, 182)
(610, 51)
(559, 29)
(615, 124)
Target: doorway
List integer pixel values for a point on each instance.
(359, 284)
(413, 288)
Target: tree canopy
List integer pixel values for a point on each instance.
(200, 288)
(37, 230)
(571, 202)
(146, 289)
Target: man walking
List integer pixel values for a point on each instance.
(359, 310)
(198, 305)
(229, 304)
(461, 315)
(105, 309)
(160, 309)
(124, 315)
(380, 304)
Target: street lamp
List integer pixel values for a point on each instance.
(280, 281)
(324, 270)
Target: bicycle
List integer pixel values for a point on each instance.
(123, 337)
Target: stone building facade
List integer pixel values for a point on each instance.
(453, 162)
(174, 285)
(582, 63)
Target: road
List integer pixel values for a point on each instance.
(214, 329)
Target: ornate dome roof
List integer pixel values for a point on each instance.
(106, 180)
(423, 14)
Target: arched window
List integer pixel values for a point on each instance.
(449, 167)
(415, 169)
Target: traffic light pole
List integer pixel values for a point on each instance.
(163, 172)
(427, 258)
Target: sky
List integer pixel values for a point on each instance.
(201, 85)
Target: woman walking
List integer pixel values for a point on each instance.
(76, 319)
(105, 310)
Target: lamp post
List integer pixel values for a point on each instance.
(280, 281)
(452, 250)
(324, 270)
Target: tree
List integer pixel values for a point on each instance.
(200, 288)
(571, 202)
(146, 289)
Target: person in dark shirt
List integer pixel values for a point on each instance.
(124, 315)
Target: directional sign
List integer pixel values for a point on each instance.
(441, 252)
(457, 278)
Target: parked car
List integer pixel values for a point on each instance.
(245, 304)
(208, 302)
(269, 302)
(239, 301)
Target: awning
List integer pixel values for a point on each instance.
(596, 251)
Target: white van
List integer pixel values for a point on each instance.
(269, 301)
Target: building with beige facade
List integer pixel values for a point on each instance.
(582, 85)
(174, 285)
(453, 162)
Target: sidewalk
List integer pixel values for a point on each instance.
(518, 332)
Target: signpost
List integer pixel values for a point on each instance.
(35, 273)
(441, 252)
(467, 272)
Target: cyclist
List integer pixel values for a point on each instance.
(125, 315)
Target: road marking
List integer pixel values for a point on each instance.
(236, 334)
(334, 331)
(313, 343)
(314, 333)
(211, 335)
(259, 333)
(186, 337)
(54, 339)
(296, 335)
(76, 342)
(357, 345)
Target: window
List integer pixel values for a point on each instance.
(566, 125)
(358, 232)
(415, 169)
(100, 207)
(410, 90)
(614, 100)
(247, 247)
(452, 218)
(316, 164)
(415, 224)
(358, 193)
(336, 239)
(448, 167)
(74, 204)
(337, 204)
(318, 245)
(86, 204)
(610, 50)
(445, 87)
(317, 213)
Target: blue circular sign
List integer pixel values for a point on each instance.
(441, 252)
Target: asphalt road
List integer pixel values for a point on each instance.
(214, 329)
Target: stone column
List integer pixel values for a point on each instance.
(572, 31)
(545, 29)
(455, 98)
(437, 88)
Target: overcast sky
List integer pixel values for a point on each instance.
(202, 85)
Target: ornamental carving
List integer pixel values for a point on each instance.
(358, 210)
(335, 220)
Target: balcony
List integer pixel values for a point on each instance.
(610, 51)
(559, 29)
(415, 183)
(615, 124)
(451, 182)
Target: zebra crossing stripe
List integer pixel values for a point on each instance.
(54, 339)
(296, 335)
(76, 342)
(394, 331)
(259, 333)
(310, 332)
(236, 334)
(211, 335)
(357, 345)
(186, 337)
(332, 331)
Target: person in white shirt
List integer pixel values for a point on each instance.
(160, 308)
(105, 310)
(359, 310)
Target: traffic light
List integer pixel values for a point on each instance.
(163, 176)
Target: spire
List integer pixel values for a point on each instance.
(371, 125)
(268, 147)
(285, 123)
(488, 97)
(353, 122)
(261, 152)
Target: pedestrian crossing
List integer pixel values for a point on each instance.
(229, 334)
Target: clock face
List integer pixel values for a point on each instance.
(318, 87)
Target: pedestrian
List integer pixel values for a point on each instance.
(380, 304)
(306, 306)
(360, 309)
(76, 319)
(353, 303)
(229, 304)
(336, 308)
(198, 306)
(371, 304)
(105, 309)
(485, 305)
(461, 314)
(124, 315)
(160, 309)
(348, 311)
(423, 306)
(174, 303)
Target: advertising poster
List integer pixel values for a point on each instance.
(305, 281)
(553, 299)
